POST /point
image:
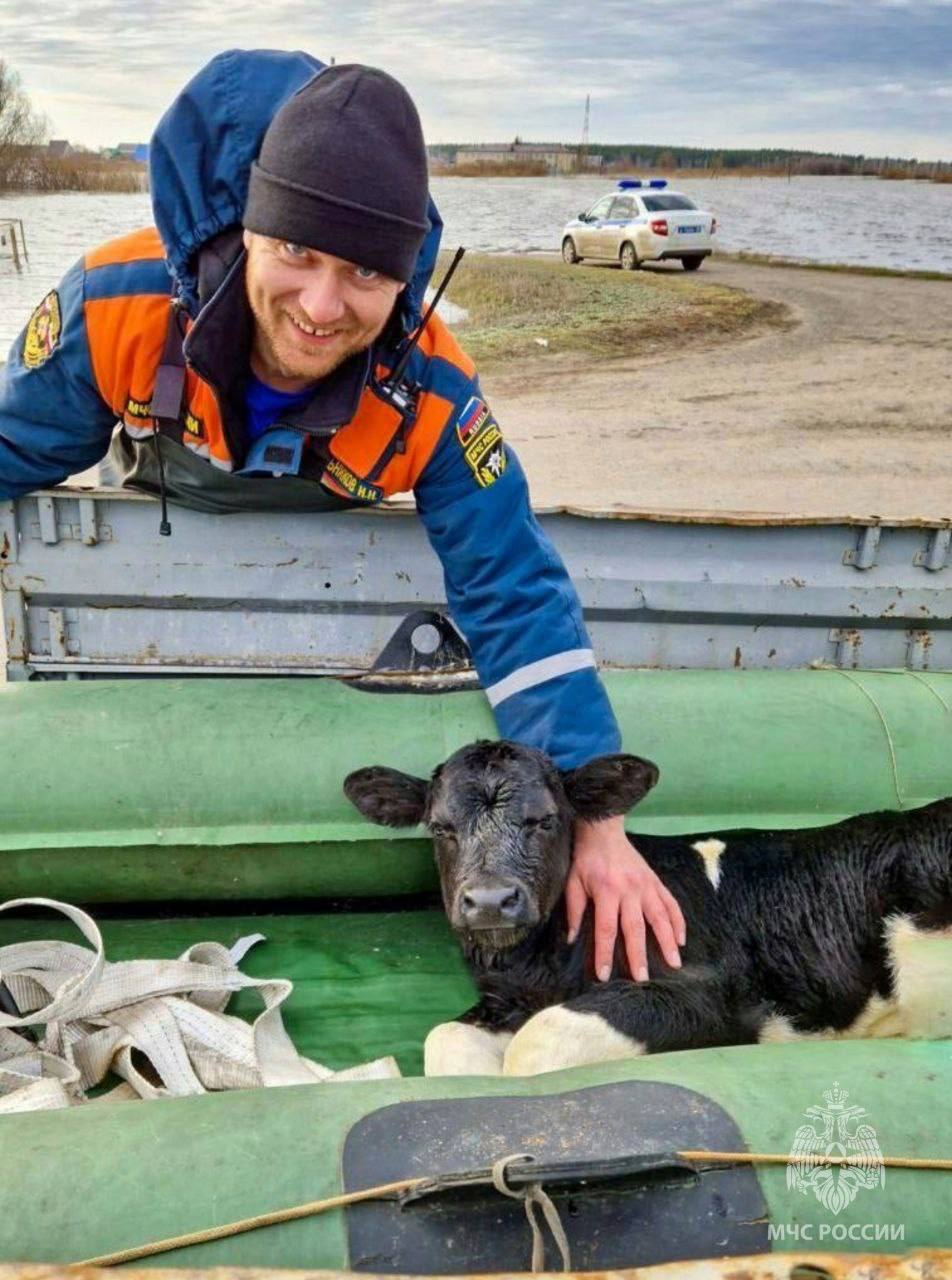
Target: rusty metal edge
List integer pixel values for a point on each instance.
(659, 515)
(921, 1264)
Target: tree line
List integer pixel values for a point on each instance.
(711, 161)
(26, 164)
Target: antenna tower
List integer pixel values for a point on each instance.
(583, 145)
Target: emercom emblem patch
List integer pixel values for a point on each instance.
(481, 441)
(43, 332)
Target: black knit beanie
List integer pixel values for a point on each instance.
(342, 168)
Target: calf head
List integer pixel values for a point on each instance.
(501, 817)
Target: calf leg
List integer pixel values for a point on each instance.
(461, 1049)
(566, 1036)
(626, 1019)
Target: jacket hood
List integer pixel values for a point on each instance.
(200, 161)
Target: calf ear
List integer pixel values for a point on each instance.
(608, 785)
(387, 796)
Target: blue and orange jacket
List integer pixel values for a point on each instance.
(90, 353)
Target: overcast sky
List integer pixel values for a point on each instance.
(871, 76)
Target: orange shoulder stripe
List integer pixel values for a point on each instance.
(131, 248)
(361, 442)
(126, 337)
(437, 340)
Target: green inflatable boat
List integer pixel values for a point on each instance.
(136, 799)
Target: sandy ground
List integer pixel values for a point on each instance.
(848, 410)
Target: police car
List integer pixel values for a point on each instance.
(641, 221)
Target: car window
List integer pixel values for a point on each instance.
(658, 204)
(600, 210)
(621, 208)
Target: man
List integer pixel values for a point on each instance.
(249, 344)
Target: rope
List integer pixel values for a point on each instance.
(882, 719)
(935, 692)
(533, 1197)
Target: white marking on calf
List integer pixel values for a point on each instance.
(921, 963)
(778, 1030)
(921, 1005)
(558, 1038)
(878, 1020)
(458, 1049)
(710, 851)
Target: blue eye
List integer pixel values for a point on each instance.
(366, 273)
(295, 250)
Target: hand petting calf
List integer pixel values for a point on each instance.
(790, 934)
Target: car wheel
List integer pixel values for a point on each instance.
(568, 252)
(692, 263)
(628, 257)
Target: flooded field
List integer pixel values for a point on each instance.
(859, 221)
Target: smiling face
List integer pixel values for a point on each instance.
(312, 311)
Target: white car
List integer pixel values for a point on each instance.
(641, 221)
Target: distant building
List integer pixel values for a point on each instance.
(59, 149)
(137, 151)
(440, 154)
(558, 157)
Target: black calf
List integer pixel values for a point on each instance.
(788, 932)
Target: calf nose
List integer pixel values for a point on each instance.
(487, 908)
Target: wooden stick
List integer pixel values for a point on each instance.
(751, 1157)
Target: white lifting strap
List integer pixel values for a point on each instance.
(99, 1016)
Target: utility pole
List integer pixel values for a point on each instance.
(583, 145)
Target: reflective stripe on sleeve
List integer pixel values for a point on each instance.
(560, 664)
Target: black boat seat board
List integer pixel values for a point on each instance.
(666, 1217)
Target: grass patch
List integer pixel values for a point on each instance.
(600, 312)
(768, 260)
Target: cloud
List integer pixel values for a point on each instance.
(733, 73)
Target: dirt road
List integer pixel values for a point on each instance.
(847, 411)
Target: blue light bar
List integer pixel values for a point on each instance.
(628, 184)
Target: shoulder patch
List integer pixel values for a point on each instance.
(480, 439)
(43, 332)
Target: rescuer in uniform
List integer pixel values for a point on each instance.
(260, 347)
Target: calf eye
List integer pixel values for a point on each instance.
(545, 823)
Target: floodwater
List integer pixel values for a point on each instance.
(860, 221)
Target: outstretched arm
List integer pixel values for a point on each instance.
(512, 598)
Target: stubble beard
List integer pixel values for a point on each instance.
(273, 351)
(271, 338)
